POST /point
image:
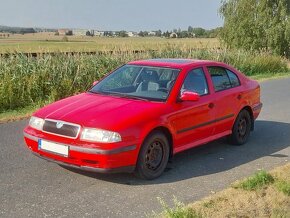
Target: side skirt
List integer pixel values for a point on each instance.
(202, 141)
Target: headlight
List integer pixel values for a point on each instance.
(36, 123)
(99, 135)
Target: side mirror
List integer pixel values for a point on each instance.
(95, 83)
(189, 96)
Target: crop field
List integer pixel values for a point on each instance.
(48, 42)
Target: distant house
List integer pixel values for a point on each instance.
(65, 32)
(152, 33)
(173, 35)
(132, 34)
(79, 32)
(99, 33)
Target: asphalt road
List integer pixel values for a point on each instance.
(32, 187)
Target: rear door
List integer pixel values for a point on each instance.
(227, 97)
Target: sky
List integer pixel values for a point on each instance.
(130, 15)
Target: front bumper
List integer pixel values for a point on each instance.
(115, 159)
(126, 169)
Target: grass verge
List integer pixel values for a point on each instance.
(262, 195)
(18, 114)
(270, 76)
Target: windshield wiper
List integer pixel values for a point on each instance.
(134, 97)
(123, 95)
(90, 91)
(119, 94)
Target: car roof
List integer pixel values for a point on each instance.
(171, 62)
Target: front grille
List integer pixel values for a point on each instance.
(61, 128)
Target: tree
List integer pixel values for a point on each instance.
(166, 34)
(257, 25)
(190, 29)
(123, 33)
(158, 33)
(199, 32)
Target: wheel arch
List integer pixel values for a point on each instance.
(250, 111)
(168, 135)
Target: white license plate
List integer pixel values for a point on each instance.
(53, 147)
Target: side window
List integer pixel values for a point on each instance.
(233, 78)
(219, 78)
(195, 81)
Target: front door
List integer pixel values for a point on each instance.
(192, 120)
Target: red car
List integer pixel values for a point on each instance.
(143, 113)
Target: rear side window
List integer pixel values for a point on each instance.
(223, 78)
(233, 78)
(219, 78)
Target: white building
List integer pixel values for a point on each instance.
(98, 33)
(82, 32)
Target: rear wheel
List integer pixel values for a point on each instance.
(153, 156)
(241, 129)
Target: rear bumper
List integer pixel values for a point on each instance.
(113, 160)
(257, 109)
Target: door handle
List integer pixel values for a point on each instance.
(211, 105)
(239, 97)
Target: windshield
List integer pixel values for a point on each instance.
(139, 82)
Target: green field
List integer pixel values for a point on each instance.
(48, 42)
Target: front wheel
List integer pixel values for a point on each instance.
(153, 156)
(241, 129)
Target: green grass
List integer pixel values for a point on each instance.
(178, 211)
(259, 180)
(18, 114)
(283, 186)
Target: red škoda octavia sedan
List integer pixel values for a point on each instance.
(143, 113)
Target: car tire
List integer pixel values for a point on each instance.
(153, 156)
(241, 129)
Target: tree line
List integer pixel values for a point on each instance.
(16, 30)
(257, 25)
(175, 33)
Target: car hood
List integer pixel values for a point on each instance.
(99, 111)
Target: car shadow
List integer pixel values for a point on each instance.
(268, 138)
